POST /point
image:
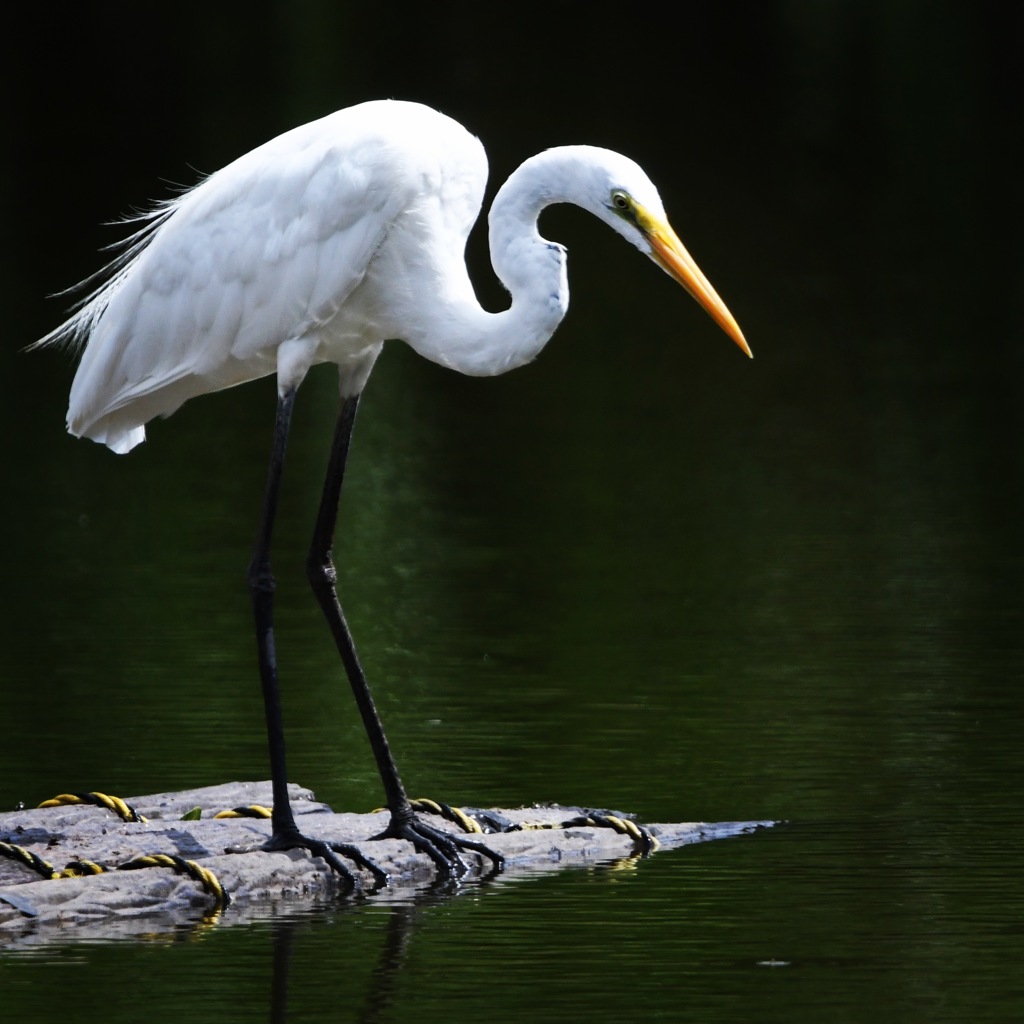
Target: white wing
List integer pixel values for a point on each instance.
(266, 250)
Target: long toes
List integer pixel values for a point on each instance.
(483, 850)
(439, 847)
(354, 854)
(475, 823)
(329, 851)
(442, 847)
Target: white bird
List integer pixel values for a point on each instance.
(319, 246)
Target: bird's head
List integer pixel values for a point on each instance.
(617, 190)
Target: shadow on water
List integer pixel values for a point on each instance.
(384, 976)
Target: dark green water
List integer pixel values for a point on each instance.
(644, 572)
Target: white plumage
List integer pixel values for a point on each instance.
(318, 247)
(323, 243)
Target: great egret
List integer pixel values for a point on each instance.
(317, 247)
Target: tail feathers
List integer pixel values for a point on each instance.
(120, 440)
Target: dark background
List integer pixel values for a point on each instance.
(846, 175)
(644, 572)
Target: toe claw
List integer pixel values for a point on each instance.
(329, 851)
(444, 848)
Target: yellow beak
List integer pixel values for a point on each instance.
(670, 254)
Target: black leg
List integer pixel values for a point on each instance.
(323, 577)
(261, 587)
(442, 847)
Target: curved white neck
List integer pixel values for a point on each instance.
(457, 332)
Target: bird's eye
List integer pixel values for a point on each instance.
(620, 200)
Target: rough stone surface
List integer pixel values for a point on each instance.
(119, 904)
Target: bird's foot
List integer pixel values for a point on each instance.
(444, 848)
(485, 821)
(292, 840)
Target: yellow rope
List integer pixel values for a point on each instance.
(33, 861)
(113, 803)
(252, 811)
(640, 835)
(204, 876)
(81, 868)
(446, 811)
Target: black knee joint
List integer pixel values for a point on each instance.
(261, 579)
(321, 573)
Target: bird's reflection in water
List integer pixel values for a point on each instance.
(284, 940)
(383, 977)
(397, 936)
(402, 920)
